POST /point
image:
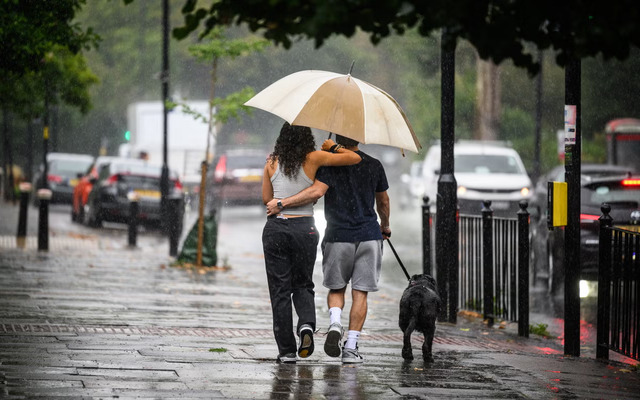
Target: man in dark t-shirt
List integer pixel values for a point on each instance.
(355, 196)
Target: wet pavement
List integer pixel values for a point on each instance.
(93, 318)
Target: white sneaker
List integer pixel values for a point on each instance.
(351, 356)
(334, 337)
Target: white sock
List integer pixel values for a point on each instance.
(352, 339)
(334, 315)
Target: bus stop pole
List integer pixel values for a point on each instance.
(572, 232)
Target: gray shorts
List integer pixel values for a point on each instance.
(358, 262)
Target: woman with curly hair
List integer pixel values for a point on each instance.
(290, 238)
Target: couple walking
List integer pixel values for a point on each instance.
(355, 187)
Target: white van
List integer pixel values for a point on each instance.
(484, 170)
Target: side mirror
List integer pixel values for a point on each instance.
(436, 171)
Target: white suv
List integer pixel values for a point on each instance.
(484, 170)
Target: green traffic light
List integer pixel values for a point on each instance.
(127, 135)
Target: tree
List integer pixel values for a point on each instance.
(215, 48)
(488, 103)
(63, 77)
(498, 29)
(31, 28)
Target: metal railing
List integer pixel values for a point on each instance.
(494, 266)
(618, 327)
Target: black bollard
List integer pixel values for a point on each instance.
(44, 196)
(134, 208)
(487, 261)
(176, 214)
(21, 237)
(426, 236)
(523, 269)
(604, 283)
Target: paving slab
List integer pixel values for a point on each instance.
(101, 321)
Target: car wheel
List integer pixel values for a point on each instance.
(81, 215)
(97, 218)
(93, 216)
(74, 214)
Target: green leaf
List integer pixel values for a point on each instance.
(218, 350)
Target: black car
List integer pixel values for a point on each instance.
(120, 179)
(541, 254)
(622, 193)
(63, 171)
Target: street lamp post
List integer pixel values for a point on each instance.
(447, 199)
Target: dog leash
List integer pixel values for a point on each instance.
(398, 258)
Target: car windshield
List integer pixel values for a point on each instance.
(598, 194)
(136, 169)
(486, 164)
(68, 168)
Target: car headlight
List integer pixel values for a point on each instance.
(461, 190)
(525, 191)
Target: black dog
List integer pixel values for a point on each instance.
(419, 308)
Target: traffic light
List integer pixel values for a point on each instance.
(127, 135)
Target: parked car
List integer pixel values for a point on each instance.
(117, 179)
(236, 178)
(484, 170)
(540, 253)
(622, 193)
(63, 171)
(85, 184)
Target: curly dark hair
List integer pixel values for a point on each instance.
(292, 147)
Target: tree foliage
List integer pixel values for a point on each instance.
(63, 77)
(407, 66)
(498, 29)
(31, 28)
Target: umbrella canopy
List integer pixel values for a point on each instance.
(341, 104)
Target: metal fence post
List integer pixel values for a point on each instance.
(134, 208)
(523, 269)
(426, 236)
(44, 196)
(25, 190)
(487, 261)
(604, 283)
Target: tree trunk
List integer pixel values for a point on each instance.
(488, 102)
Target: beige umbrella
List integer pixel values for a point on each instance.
(340, 104)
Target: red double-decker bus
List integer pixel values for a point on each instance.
(623, 142)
